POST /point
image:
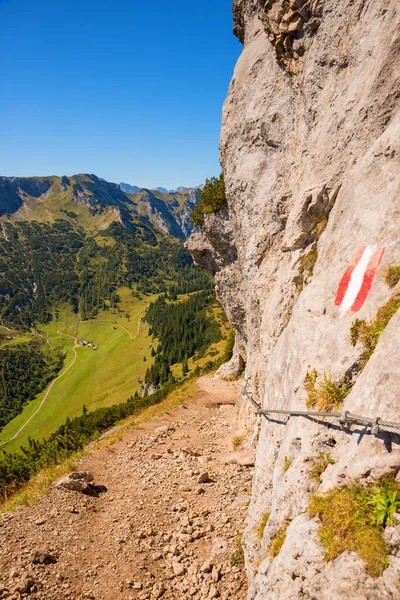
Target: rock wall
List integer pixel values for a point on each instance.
(310, 152)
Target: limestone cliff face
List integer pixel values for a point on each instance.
(310, 150)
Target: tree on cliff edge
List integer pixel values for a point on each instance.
(212, 199)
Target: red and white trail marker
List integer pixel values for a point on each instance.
(356, 283)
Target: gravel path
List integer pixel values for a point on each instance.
(167, 527)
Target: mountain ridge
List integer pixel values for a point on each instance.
(95, 203)
(132, 189)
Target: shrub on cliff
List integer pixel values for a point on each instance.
(212, 199)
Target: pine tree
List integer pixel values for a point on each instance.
(185, 367)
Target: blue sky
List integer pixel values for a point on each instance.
(129, 90)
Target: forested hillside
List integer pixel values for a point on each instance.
(88, 243)
(183, 329)
(25, 370)
(37, 269)
(42, 265)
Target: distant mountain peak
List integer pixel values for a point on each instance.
(128, 188)
(132, 189)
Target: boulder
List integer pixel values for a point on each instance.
(41, 556)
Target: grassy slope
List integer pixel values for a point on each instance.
(47, 209)
(16, 339)
(98, 378)
(177, 200)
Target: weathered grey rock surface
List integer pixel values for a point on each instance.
(310, 137)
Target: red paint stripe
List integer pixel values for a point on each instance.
(368, 280)
(344, 282)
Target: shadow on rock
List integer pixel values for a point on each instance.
(94, 490)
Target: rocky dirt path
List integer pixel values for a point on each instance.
(167, 527)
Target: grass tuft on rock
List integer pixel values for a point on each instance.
(326, 395)
(307, 262)
(353, 519)
(238, 440)
(369, 332)
(262, 525)
(319, 226)
(392, 276)
(306, 267)
(278, 540)
(238, 556)
(286, 464)
(320, 465)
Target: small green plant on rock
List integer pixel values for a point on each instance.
(306, 264)
(387, 502)
(262, 525)
(310, 380)
(392, 276)
(326, 395)
(353, 519)
(321, 465)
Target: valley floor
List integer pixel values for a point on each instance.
(157, 532)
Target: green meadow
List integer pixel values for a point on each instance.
(97, 378)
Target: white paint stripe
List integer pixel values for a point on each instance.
(356, 279)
